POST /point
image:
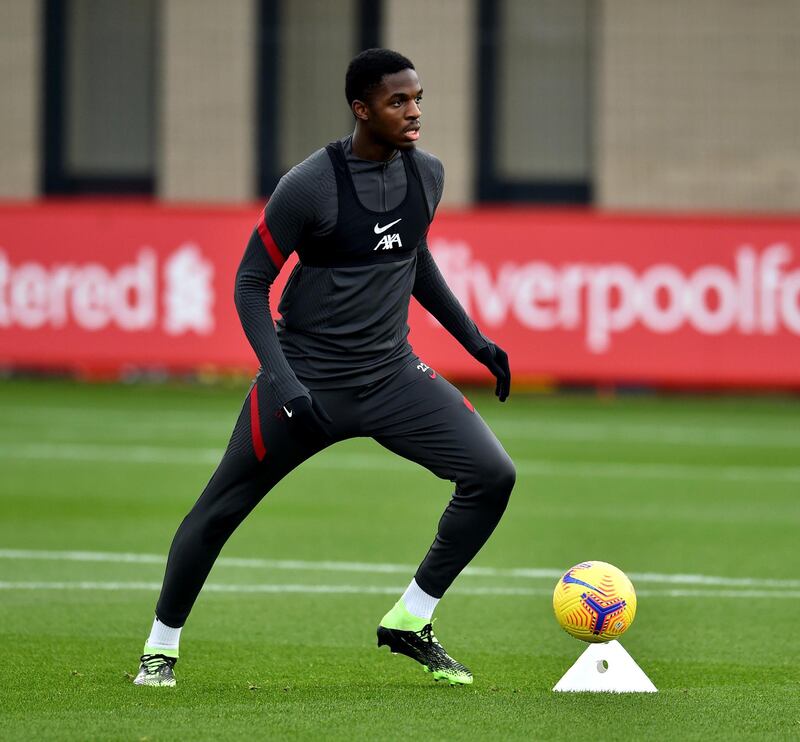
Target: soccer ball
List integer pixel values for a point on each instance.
(594, 602)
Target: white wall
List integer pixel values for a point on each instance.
(698, 104)
(20, 110)
(207, 100)
(439, 38)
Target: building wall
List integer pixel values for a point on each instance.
(207, 101)
(20, 75)
(695, 103)
(698, 105)
(439, 37)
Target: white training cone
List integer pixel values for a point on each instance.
(606, 668)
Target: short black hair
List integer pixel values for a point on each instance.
(366, 70)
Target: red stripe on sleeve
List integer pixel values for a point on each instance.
(255, 425)
(276, 256)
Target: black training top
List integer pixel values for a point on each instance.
(359, 230)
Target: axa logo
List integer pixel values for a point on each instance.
(388, 241)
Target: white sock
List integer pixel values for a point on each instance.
(417, 602)
(163, 636)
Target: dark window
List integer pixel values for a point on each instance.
(535, 101)
(304, 49)
(100, 62)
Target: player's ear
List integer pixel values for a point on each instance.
(360, 110)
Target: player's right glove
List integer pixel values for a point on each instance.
(496, 360)
(306, 416)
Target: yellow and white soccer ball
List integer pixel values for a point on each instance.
(594, 602)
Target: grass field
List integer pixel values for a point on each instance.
(698, 499)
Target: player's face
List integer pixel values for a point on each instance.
(394, 110)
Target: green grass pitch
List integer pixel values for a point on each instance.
(697, 498)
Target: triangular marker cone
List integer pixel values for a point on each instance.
(605, 668)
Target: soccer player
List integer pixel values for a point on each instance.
(339, 365)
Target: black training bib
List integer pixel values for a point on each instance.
(365, 237)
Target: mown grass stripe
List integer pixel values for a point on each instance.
(703, 434)
(377, 590)
(384, 568)
(576, 469)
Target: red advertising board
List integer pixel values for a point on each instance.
(573, 296)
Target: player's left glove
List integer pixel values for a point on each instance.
(496, 360)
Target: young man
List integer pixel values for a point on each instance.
(357, 212)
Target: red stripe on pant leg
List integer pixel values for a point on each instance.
(275, 255)
(255, 425)
(468, 405)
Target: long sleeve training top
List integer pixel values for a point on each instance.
(341, 326)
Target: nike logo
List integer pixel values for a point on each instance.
(381, 230)
(288, 412)
(568, 578)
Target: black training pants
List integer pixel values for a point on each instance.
(414, 412)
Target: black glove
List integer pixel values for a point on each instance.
(306, 417)
(496, 360)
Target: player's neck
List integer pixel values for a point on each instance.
(368, 149)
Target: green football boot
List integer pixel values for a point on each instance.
(414, 637)
(156, 669)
